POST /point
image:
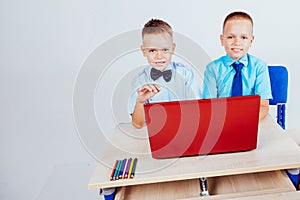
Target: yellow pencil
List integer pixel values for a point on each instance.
(133, 168)
(130, 168)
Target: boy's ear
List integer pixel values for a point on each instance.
(252, 38)
(221, 39)
(143, 50)
(173, 47)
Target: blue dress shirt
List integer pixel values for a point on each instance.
(182, 86)
(218, 77)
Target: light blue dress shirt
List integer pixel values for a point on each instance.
(218, 77)
(182, 86)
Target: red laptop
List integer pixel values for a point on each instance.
(205, 126)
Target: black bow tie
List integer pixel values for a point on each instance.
(155, 74)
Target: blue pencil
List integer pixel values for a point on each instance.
(113, 170)
(119, 169)
(116, 171)
(122, 168)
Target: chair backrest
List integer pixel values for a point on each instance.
(279, 84)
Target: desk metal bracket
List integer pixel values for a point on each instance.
(203, 186)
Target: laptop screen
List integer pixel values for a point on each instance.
(200, 127)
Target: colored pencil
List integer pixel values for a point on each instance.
(127, 167)
(113, 170)
(122, 168)
(119, 169)
(116, 171)
(130, 169)
(133, 168)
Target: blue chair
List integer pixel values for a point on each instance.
(279, 85)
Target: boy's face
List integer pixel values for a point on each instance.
(237, 38)
(158, 49)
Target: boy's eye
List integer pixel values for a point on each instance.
(165, 50)
(244, 38)
(229, 37)
(152, 50)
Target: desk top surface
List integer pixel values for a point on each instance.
(275, 151)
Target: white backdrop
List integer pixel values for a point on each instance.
(43, 46)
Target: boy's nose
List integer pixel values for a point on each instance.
(158, 54)
(237, 41)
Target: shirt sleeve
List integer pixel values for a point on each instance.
(210, 82)
(193, 90)
(263, 85)
(135, 84)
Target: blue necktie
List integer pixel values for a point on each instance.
(237, 87)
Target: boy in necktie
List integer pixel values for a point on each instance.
(238, 73)
(162, 80)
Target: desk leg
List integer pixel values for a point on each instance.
(203, 186)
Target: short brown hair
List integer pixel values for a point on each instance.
(237, 15)
(157, 26)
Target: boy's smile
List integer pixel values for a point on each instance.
(158, 48)
(237, 38)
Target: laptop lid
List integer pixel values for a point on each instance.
(205, 126)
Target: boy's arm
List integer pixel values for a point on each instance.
(138, 115)
(144, 93)
(263, 88)
(264, 109)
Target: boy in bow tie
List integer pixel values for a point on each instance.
(162, 80)
(238, 73)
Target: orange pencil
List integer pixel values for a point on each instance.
(113, 170)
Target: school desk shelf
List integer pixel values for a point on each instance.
(222, 187)
(294, 195)
(275, 151)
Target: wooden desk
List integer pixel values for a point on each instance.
(275, 151)
(222, 187)
(276, 196)
(294, 195)
(294, 134)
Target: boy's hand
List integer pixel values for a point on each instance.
(146, 92)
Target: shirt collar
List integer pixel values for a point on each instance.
(229, 61)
